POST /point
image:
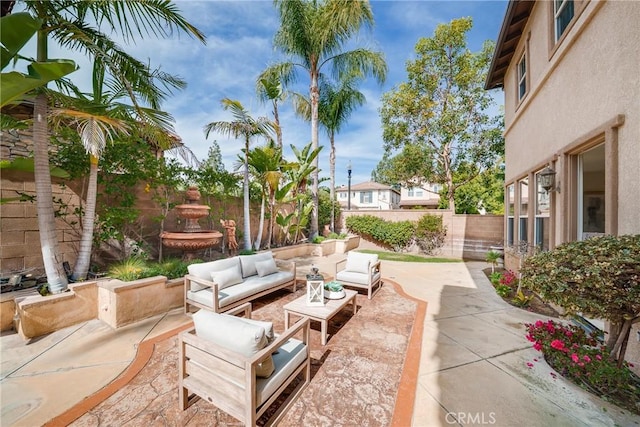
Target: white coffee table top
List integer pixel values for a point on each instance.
(326, 311)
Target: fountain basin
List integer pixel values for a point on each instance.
(191, 211)
(191, 241)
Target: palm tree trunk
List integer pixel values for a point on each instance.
(315, 97)
(332, 172)
(247, 213)
(51, 257)
(258, 241)
(276, 120)
(84, 253)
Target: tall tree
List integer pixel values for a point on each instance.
(68, 23)
(314, 34)
(99, 115)
(337, 102)
(442, 112)
(246, 127)
(266, 163)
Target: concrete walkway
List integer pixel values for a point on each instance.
(473, 363)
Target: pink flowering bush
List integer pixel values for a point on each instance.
(581, 358)
(509, 279)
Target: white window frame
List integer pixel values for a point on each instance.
(559, 7)
(522, 76)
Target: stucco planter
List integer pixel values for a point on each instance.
(40, 315)
(121, 303)
(345, 245)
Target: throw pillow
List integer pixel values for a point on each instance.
(265, 368)
(266, 267)
(248, 262)
(225, 278)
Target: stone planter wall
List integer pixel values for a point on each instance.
(121, 303)
(40, 315)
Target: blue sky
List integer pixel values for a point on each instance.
(239, 35)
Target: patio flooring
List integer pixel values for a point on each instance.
(472, 363)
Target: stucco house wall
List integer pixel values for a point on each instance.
(583, 96)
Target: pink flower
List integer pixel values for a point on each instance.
(586, 358)
(557, 344)
(530, 365)
(568, 333)
(575, 358)
(537, 346)
(539, 324)
(598, 357)
(530, 338)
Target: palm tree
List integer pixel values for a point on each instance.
(337, 102)
(314, 33)
(266, 164)
(67, 22)
(269, 88)
(98, 117)
(242, 125)
(298, 174)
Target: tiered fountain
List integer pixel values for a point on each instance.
(193, 238)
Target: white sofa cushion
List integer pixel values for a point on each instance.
(228, 277)
(248, 262)
(250, 286)
(290, 355)
(359, 262)
(267, 326)
(266, 267)
(230, 332)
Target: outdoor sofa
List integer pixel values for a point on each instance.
(360, 270)
(227, 283)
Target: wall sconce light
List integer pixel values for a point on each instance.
(548, 179)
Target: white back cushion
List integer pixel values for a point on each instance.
(203, 270)
(230, 332)
(359, 263)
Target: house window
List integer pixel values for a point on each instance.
(541, 224)
(522, 77)
(418, 193)
(591, 193)
(563, 14)
(410, 192)
(343, 195)
(523, 213)
(510, 213)
(436, 188)
(366, 197)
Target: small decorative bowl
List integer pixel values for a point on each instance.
(334, 294)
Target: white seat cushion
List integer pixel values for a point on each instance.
(250, 286)
(289, 356)
(203, 270)
(359, 278)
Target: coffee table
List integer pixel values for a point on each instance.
(322, 314)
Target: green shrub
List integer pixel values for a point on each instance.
(395, 235)
(129, 269)
(172, 268)
(503, 290)
(495, 277)
(318, 239)
(246, 252)
(430, 233)
(599, 277)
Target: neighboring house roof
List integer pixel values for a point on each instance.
(515, 20)
(369, 185)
